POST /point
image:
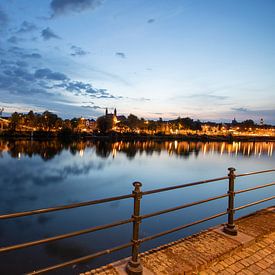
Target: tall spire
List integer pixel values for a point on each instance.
(115, 112)
(106, 112)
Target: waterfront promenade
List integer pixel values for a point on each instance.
(211, 251)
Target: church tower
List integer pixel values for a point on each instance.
(115, 112)
(106, 112)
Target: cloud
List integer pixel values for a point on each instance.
(27, 27)
(3, 19)
(32, 55)
(241, 109)
(19, 84)
(21, 63)
(208, 96)
(21, 53)
(16, 79)
(242, 113)
(25, 81)
(48, 34)
(95, 107)
(81, 88)
(19, 73)
(151, 20)
(142, 99)
(48, 74)
(77, 51)
(121, 54)
(60, 7)
(15, 39)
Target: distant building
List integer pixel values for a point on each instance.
(234, 122)
(261, 121)
(114, 116)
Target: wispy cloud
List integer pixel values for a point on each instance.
(240, 109)
(27, 27)
(94, 107)
(14, 39)
(121, 54)
(61, 7)
(48, 34)
(208, 96)
(3, 19)
(151, 20)
(77, 51)
(18, 52)
(49, 74)
(32, 55)
(18, 77)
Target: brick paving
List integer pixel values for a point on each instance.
(212, 251)
(258, 258)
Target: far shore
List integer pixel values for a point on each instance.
(114, 136)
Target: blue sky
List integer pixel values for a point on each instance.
(207, 59)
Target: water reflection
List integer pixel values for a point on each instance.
(47, 150)
(39, 174)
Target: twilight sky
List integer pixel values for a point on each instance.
(207, 59)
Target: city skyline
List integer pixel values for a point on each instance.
(209, 60)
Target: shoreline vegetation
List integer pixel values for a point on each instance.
(47, 125)
(114, 136)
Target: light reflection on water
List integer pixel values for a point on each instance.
(47, 173)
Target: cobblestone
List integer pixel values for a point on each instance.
(213, 252)
(255, 263)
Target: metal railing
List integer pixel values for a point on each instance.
(134, 266)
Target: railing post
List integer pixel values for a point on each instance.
(134, 266)
(230, 227)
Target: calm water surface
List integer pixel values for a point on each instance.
(43, 174)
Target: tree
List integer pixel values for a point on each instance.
(31, 119)
(249, 123)
(15, 118)
(105, 124)
(49, 120)
(132, 121)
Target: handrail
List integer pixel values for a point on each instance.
(63, 207)
(182, 186)
(150, 215)
(134, 265)
(255, 188)
(64, 236)
(181, 227)
(254, 173)
(81, 259)
(254, 203)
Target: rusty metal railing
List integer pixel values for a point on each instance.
(134, 266)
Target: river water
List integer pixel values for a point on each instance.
(38, 174)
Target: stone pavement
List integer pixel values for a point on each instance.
(252, 251)
(258, 258)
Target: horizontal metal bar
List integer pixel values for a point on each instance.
(180, 227)
(64, 236)
(81, 259)
(62, 207)
(255, 188)
(254, 173)
(182, 186)
(254, 203)
(182, 206)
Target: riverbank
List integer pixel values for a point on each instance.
(211, 251)
(43, 135)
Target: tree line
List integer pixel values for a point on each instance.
(50, 122)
